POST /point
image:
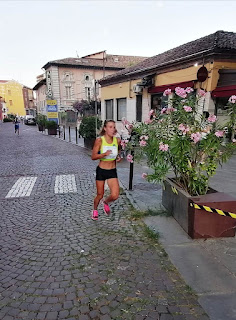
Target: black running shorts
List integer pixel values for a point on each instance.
(104, 174)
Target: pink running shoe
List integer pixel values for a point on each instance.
(106, 208)
(94, 215)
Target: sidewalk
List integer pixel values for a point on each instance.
(208, 266)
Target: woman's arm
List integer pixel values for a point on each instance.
(97, 146)
(118, 158)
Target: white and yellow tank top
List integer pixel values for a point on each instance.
(109, 146)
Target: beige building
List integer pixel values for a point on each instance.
(72, 79)
(208, 63)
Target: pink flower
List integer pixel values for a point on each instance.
(232, 99)
(201, 93)
(188, 90)
(184, 128)
(170, 109)
(142, 143)
(148, 121)
(212, 118)
(151, 112)
(144, 175)
(180, 92)
(124, 121)
(188, 109)
(130, 158)
(234, 140)
(219, 134)
(163, 147)
(123, 143)
(144, 138)
(163, 110)
(167, 92)
(196, 137)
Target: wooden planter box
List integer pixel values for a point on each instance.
(200, 223)
(52, 131)
(88, 143)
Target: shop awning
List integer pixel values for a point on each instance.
(225, 91)
(172, 86)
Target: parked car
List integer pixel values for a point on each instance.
(29, 119)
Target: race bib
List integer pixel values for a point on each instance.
(114, 153)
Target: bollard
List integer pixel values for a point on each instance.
(64, 132)
(76, 135)
(69, 135)
(131, 172)
(59, 131)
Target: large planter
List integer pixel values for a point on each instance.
(40, 127)
(52, 131)
(200, 223)
(89, 142)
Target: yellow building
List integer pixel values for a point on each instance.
(12, 93)
(207, 63)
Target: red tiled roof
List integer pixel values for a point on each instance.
(212, 43)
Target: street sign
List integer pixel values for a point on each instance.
(52, 110)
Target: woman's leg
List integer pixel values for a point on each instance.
(114, 190)
(100, 193)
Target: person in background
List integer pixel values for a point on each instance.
(17, 125)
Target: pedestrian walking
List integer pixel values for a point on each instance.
(17, 125)
(106, 149)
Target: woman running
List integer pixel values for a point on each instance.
(106, 150)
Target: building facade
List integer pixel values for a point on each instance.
(208, 63)
(29, 101)
(72, 79)
(12, 93)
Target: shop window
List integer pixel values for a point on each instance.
(109, 109)
(221, 109)
(158, 101)
(121, 109)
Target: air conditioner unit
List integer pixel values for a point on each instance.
(137, 89)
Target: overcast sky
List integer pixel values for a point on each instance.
(35, 32)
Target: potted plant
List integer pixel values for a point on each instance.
(41, 121)
(87, 130)
(182, 140)
(51, 125)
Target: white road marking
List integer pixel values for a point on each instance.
(22, 188)
(65, 183)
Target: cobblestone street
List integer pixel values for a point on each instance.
(56, 263)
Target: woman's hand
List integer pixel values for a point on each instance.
(108, 152)
(118, 158)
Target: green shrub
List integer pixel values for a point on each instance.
(41, 119)
(51, 124)
(87, 127)
(7, 120)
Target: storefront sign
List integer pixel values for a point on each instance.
(49, 85)
(202, 74)
(52, 110)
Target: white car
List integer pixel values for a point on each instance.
(29, 119)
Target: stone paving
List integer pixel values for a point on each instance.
(56, 263)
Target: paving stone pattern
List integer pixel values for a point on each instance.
(56, 263)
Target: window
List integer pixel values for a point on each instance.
(139, 99)
(88, 93)
(68, 92)
(109, 109)
(121, 108)
(87, 78)
(158, 101)
(9, 92)
(10, 102)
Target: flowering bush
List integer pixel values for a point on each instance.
(180, 138)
